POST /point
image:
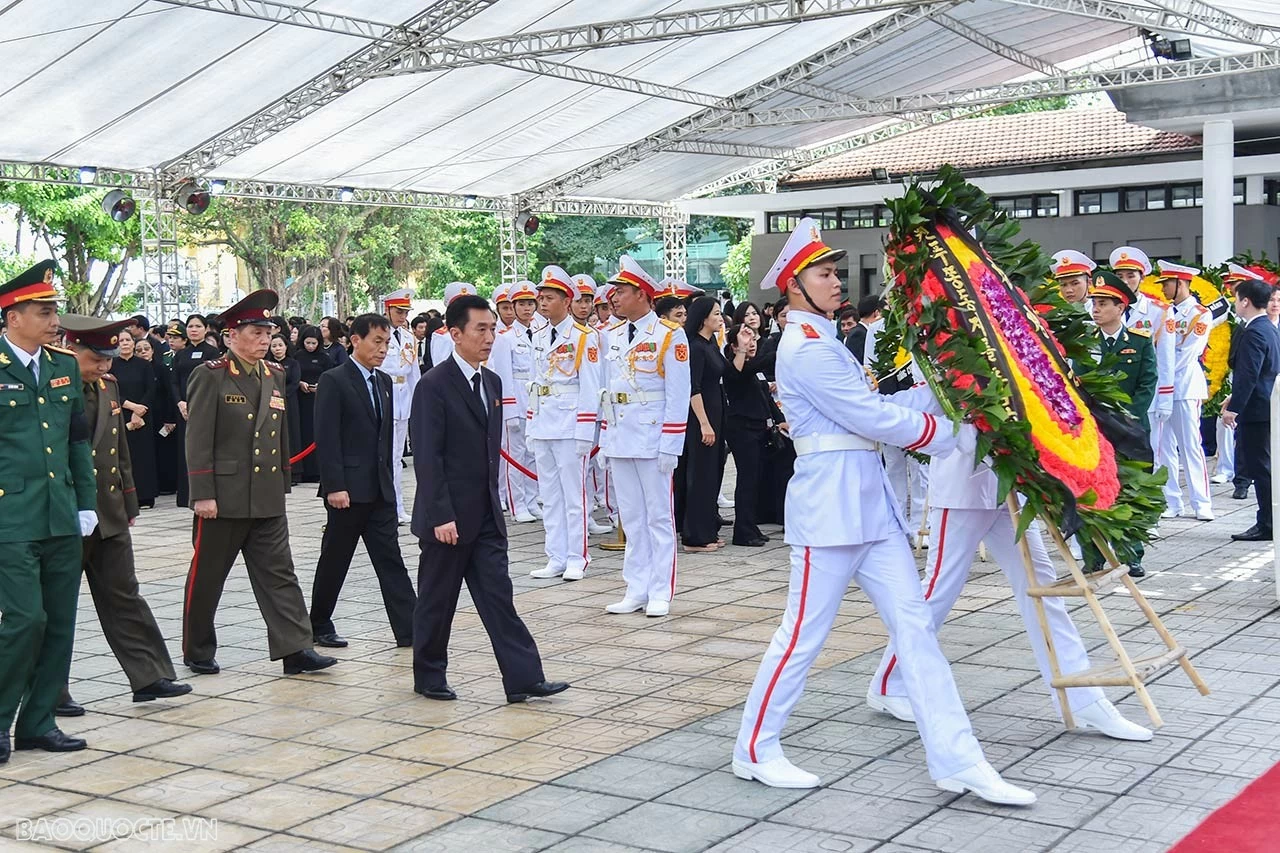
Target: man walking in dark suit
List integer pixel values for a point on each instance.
(353, 444)
(456, 426)
(1248, 409)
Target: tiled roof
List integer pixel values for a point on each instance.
(1002, 142)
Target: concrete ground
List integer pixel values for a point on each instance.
(635, 756)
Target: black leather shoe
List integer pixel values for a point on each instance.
(444, 693)
(4, 748)
(1241, 493)
(161, 689)
(1136, 571)
(54, 740)
(404, 644)
(306, 661)
(725, 522)
(330, 640)
(542, 688)
(68, 708)
(758, 542)
(203, 667)
(1253, 534)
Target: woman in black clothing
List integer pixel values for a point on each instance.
(434, 324)
(136, 380)
(331, 336)
(747, 426)
(312, 361)
(162, 420)
(196, 353)
(704, 438)
(282, 355)
(747, 314)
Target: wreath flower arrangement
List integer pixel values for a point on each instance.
(997, 346)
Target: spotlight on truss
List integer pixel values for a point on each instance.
(528, 223)
(87, 174)
(119, 206)
(191, 198)
(217, 187)
(346, 194)
(468, 201)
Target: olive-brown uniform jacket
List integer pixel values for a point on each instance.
(237, 440)
(112, 465)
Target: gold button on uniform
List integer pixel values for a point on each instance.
(251, 416)
(1, 493)
(44, 424)
(257, 452)
(256, 469)
(13, 402)
(114, 430)
(111, 489)
(41, 399)
(51, 477)
(113, 451)
(64, 398)
(48, 450)
(273, 467)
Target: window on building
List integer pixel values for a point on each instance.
(784, 222)
(1186, 195)
(1097, 201)
(1028, 206)
(1146, 198)
(1046, 206)
(1237, 191)
(828, 220)
(859, 217)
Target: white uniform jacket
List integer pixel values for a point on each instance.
(646, 400)
(1192, 322)
(954, 483)
(441, 346)
(401, 364)
(568, 375)
(1156, 319)
(842, 497)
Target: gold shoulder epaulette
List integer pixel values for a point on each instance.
(618, 325)
(669, 323)
(63, 350)
(1142, 333)
(582, 327)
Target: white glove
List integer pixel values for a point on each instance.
(1163, 411)
(967, 440)
(583, 447)
(88, 521)
(667, 462)
(513, 424)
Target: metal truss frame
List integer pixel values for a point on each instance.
(162, 291)
(47, 173)
(1189, 17)
(675, 244)
(999, 48)
(513, 252)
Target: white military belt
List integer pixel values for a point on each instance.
(625, 397)
(515, 374)
(807, 444)
(554, 390)
(399, 380)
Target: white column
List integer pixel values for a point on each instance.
(1255, 190)
(760, 223)
(1219, 174)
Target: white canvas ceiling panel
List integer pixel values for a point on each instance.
(35, 33)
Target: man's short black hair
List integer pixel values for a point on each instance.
(362, 325)
(846, 313)
(1257, 292)
(868, 305)
(458, 314)
(421, 318)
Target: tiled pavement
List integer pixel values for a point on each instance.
(635, 756)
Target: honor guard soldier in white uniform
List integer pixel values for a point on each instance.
(401, 365)
(502, 304)
(1155, 318)
(441, 343)
(584, 313)
(1181, 446)
(512, 360)
(1072, 270)
(646, 405)
(843, 524)
(965, 510)
(604, 496)
(604, 310)
(564, 402)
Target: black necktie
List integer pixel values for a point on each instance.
(377, 398)
(475, 383)
(553, 334)
(529, 332)
(631, 332)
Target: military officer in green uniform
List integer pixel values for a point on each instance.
(1135, 366)
(126, 620)
(239, 470)
(47, 497)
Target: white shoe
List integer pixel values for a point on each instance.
(626, 605)
(983, 780)
(897, 706)
(1075, 549)
(526, 517)
(1219, 478)
(548, 571)
(1204, 515)
(723, 502)
(1168, 513)
(1104, 717)
(778, 773)
(575, 573)
(595, 528)
(535, 511)
(405, 519)
(657, 608)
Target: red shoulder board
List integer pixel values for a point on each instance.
(109, 377)
(273, 365)
(216, 363)
(809, 331)
(443, 330)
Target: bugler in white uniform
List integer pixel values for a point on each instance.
(401, 364)
(1182, 449)
(564, 403)
(441, 341)
(1155, 317)
(646, 404)
(843, 523)
(965, 510)
(512, 360)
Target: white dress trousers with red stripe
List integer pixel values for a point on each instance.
(564, 402)
(512, 360)
(844, 524)
(1181, 448)
(651, 368)
(964, 513)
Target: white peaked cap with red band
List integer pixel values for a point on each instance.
(585, 284)
(603, 292)
(1070, 262)
(522, 289)
(1235, 272)
(502, 294)
(803, 249)
(1130, 258)
(1168, 269)
(556, 278)
(678, 288)
(454, 289)
(398, 299)
(630, 272)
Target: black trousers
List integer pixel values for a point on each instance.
(376, 524)
(483, 565)
(747, 442)
(1253, 460)
(703, 473)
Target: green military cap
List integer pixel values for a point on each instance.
(1107, 283)
(33, 285)
(101, 336)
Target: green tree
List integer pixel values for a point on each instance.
(70, 227)
(736, 268)
(586, 243)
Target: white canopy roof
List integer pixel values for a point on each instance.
(501, 98)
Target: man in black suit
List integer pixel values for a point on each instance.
(1248, 409)
(456, 427)
(353, 419)
(869, 310)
